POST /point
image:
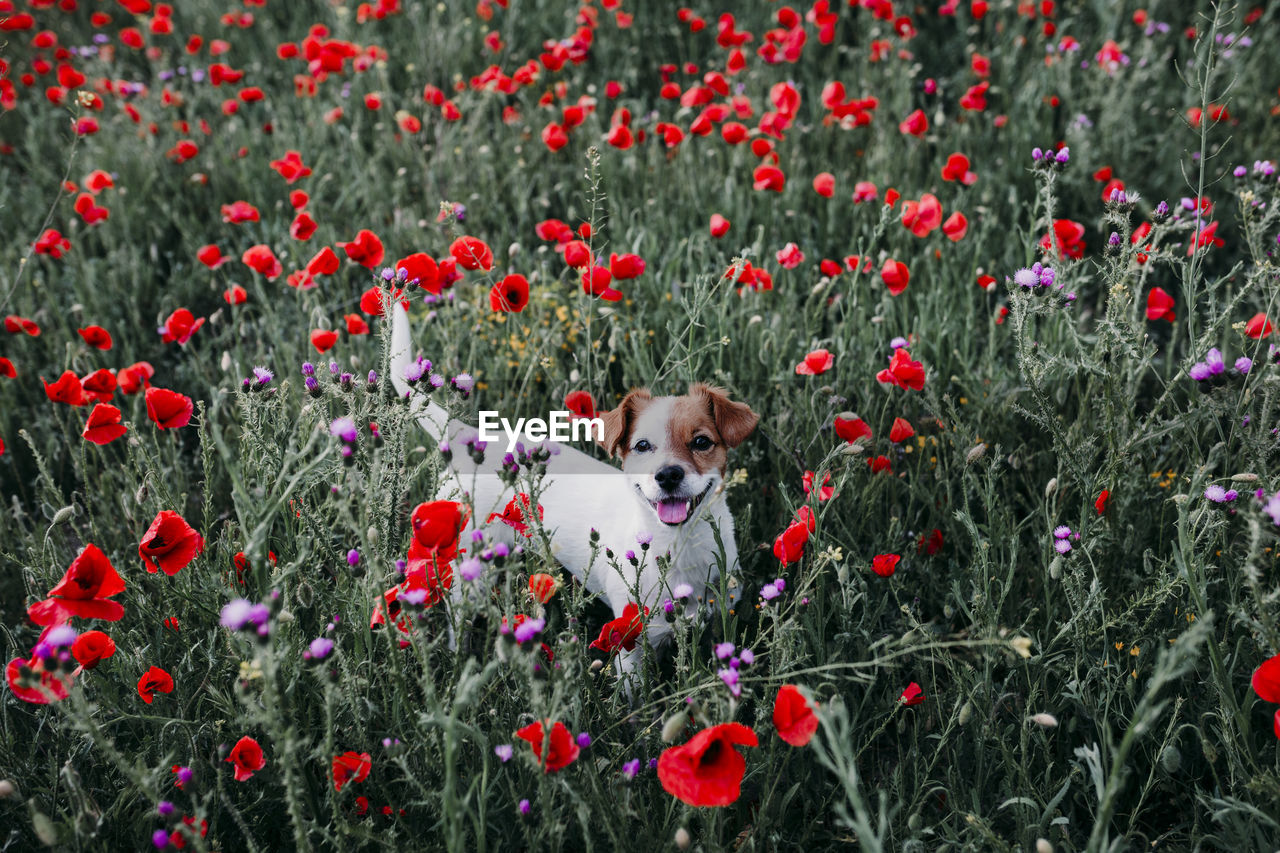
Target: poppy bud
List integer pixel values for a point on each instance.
(7, 789)
(682, 838)
(1051, 487)
(674, 727)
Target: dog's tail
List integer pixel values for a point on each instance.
(434, 419)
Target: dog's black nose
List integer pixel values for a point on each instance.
(669, 477)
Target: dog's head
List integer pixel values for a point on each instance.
(674, 449)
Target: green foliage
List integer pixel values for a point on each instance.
(1138, 642)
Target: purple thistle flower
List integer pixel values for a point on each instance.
(504, 752)
(631, 769)
(160, 838)
(524, 807)
(1061, 532)
(724, 650)
(320, 648)
(470, 569)
(236, 613)
(1199, 371)
(344, 428)
(1243, 364)
(747, 657)
(682, 590)
(769, 592)
(1213, 358)
(529, 629)
(584, 740)
(1216, 493)
(1062, 546)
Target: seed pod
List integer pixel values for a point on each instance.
(1045, 721)
(966, 713)
(1244, 478)
(1171, 759)
(673, 727)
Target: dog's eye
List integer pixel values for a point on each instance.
(701, 442)
(643, 446)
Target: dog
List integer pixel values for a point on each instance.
(669, 495)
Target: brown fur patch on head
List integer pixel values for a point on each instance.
(618, 422)
(707, 410)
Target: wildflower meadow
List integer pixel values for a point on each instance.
(998, 278)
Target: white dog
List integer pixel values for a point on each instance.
(669, 493)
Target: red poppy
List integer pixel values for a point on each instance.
(472, 253)
(1070, 236)
(52, 685)
(104, 424)
(1266, 680)
(957, 169)
(1258, 326)
(96, 337)
(790, 256)
(290, 167)
(719, 225)
(885, 564)
(169, 409)
(852, 428)
(180, 326)
(517, 514)
(880, 463)
(624, 267)
(561, 749)
(6, 368)
(66, 390)
(303, 227)
(825, 492)
(895, 275)
(323, 262)
(901, 430)
(83, 591)
(824, 184)
(350, 767)
(235, 295)
(707, 771)
(816, 363)
(543, 586)
(580, 404)
(14, 324)
(768, 178)
(366, 249)
(511, 294)
(436, 527)
(421, 269)
(356, 324)
(930, 543)
(1206, 237)
(262, 260)
(169, 544)
(239, 211)
(153, 681)
(323, 339)
(1160, 305)
(577, 254)
(99, 386)
(915, 124)
(912, 695)
(247, 758)
(598, 282)
(1100, 505)
(52, 243)
(793, 716)
(956, 226)
(135, 377)
(923, 216)
(788, 547)
(211, 256)
(622, 632)
(92, 648)
(902, 371)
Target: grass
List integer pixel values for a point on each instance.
(1139, 643)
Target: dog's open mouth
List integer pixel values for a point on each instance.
(673, 511)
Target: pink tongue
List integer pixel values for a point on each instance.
(673, 511)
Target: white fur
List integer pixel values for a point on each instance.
(581, 493)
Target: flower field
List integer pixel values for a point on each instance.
(999, 279)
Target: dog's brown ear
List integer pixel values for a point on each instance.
(734, 421)
(617, 423)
